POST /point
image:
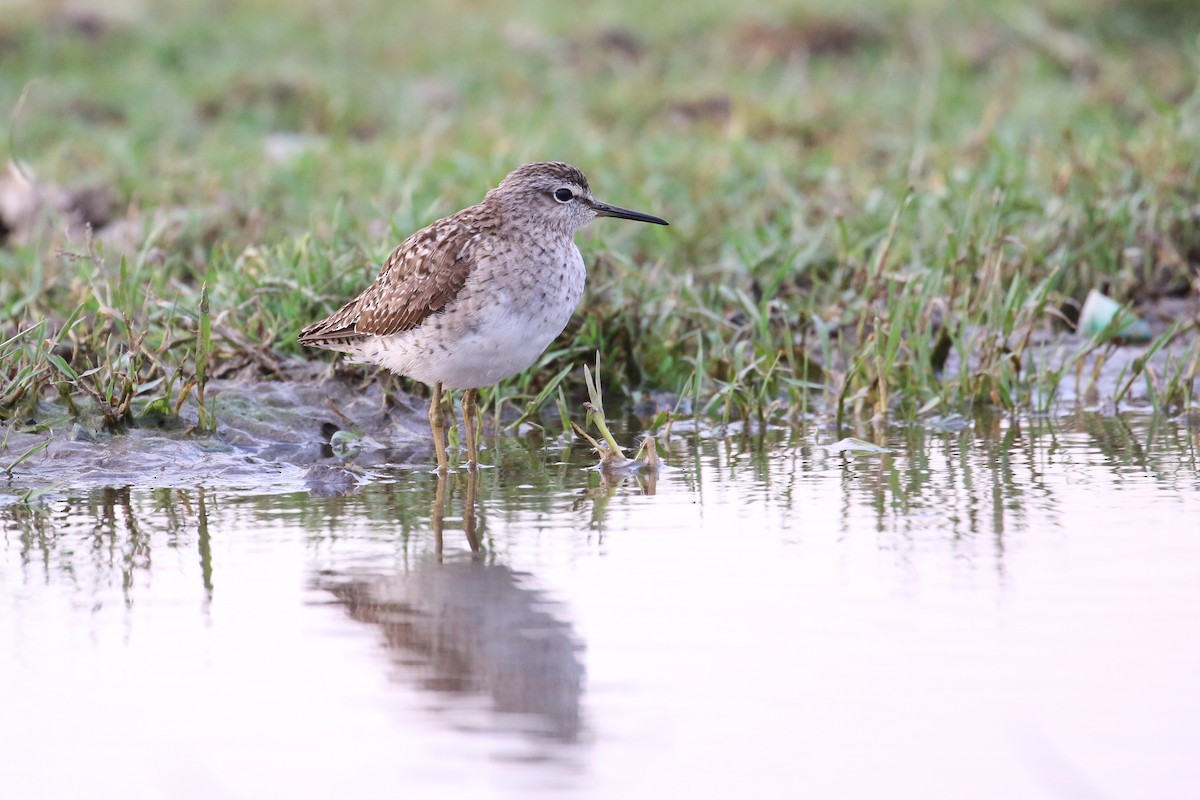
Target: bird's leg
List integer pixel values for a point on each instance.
(469, 419)
(438, 425)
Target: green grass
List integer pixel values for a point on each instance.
(873, 209)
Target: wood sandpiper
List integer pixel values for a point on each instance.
(477, 296)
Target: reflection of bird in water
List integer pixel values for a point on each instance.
(475, 628)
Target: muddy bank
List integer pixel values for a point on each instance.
(316, 431)
(271, 435)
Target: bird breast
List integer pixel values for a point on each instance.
(508, 312)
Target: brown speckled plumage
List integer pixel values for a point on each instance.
(478, 295)
(421, 275)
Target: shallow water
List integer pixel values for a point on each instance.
(1006, 610)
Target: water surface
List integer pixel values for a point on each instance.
(998, 610)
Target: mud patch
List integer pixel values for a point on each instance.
(271, 436)
(814, 36)
(327, 434)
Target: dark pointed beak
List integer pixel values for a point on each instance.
(605, 210)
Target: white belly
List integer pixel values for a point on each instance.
(499, 326)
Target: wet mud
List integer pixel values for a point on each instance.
(320, 431)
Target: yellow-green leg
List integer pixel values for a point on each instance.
(469, 420)
(437, 424)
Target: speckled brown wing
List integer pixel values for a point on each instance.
(423, 274)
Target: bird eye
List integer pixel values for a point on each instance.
(564, 195)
